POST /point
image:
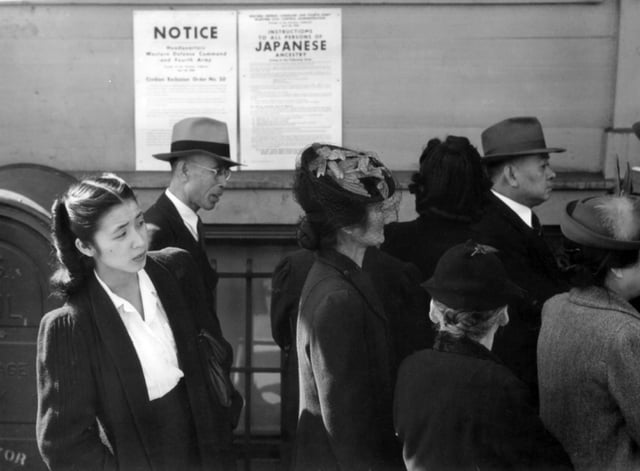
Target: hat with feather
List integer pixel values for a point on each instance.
(610, 222)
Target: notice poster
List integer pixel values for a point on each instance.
(185, 66)
(290, 64)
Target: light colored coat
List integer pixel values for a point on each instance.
(589, 373)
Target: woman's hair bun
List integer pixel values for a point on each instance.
(307, 236)
(417, 183)
(431, 146)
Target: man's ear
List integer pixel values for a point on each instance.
(509, 173)
(85, 249)
(182, 169)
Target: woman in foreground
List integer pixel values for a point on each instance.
(120, 382)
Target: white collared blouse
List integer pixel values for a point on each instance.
(151, 336)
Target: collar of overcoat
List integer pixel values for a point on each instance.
(359, 279)
(532, 237)
(510, 215)
(447, 343)
(117, 342)
(178, 226)
(595, 297)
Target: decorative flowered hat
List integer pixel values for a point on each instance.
(334, 186)
(359, 173)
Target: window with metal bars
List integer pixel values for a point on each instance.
(245, 259)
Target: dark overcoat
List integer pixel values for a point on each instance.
(167, 229)
(424, 240)
(530, 264)
(396, 282)
(397, 285)
(90, 381)
(457, 407)
(588, 355)
(345, 371)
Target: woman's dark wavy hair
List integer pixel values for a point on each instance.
(588, 266)
(451, 179)
(75, 215)
(328, 207)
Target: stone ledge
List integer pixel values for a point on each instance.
(283, 180)
(582, 181)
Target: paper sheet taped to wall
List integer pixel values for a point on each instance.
(185, 66)
(290, 65)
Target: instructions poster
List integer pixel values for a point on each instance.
(185, 66)
(290, 64)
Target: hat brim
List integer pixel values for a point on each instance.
(581, 234)
(493, 158)
(167, 157)
(459, 299)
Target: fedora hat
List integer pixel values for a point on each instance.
(584, 222)
(471, 276)
(514, 137)
(199, 135)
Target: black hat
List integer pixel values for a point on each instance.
(470, 276)
(514, 137)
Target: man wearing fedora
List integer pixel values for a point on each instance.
(200, 168)
(517, 160)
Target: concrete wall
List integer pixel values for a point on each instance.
(411, 71)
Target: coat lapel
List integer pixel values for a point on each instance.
(534, 242)
(511, 217)
(358, 278)
(603, 300)
(183, 236)
(173, 304)
(119, 346)
(185, 240)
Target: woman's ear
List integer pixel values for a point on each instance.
(617, 272)
(433, 313)
(504, 317)
(347, 230)
(85, 249)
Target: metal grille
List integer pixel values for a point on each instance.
(252, 446)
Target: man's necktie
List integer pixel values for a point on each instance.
(201, 237)
(535, 223)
